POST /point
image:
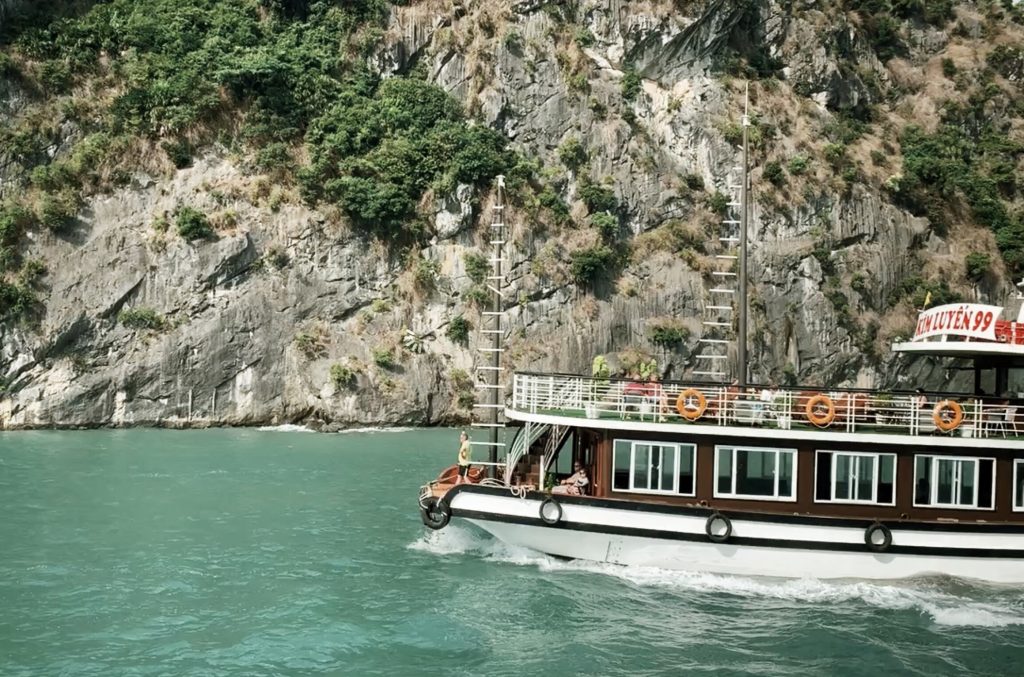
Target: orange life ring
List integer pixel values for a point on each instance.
(686, 407)
(820, 410)
(947, 415)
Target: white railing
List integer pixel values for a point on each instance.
(703, 404)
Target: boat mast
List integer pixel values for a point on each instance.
(741, 299)
(497, 244)
(488, 410)
(725, 307)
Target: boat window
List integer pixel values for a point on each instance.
(654, 467)
(853, 477)
(954, 482)
(754, 472)
(1018, 485)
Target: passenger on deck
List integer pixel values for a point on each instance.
(633, 393)
(574, 485)
(465, 458)
(920, 416)
(767, 398)
(657, 396)
(919, 400)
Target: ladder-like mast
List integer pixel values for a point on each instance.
(725, 312)
(741, 297)
(488, 411)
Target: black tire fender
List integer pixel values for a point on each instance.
(713, 533)
(435, 514)
(546, 515)
(871, 533)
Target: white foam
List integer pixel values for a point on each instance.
(974, 614)
(930, 596)
(286, 428)
(379, 429)
(452, 540)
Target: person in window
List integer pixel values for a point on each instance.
(574, 485)
(922, 492)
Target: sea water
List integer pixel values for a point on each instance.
(284, 552)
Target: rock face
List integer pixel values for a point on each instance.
(249, 325)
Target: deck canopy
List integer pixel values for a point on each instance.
(970, 331)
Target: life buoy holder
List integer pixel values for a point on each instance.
(718, 527)
(435, 513)
(948, 415)
(878, 537)
(550, 511)
(820, 410)
(691, 404)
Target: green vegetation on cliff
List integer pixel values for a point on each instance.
(267, 75)
(970, 157)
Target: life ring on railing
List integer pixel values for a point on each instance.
(691, 404)
(947, 415)
(549, 516)
(871, 537)
(719, 533)
(820, 410)
(435, 513)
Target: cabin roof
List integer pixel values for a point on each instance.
(1012, 353)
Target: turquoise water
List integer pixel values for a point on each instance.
(245, 552)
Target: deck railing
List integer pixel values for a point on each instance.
(783, 408)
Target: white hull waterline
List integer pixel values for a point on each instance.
(755, 546)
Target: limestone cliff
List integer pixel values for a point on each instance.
(293, 315)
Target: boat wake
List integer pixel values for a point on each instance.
(382, 429)
(947, 601)
(286, 428)
(453, 540)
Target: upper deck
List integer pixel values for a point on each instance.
(933, 419)
(967, 330)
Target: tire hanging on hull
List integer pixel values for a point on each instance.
(871, 537)
(435, 514)
(718, 535)
(550, 516)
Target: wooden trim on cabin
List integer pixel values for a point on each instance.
(595, 448)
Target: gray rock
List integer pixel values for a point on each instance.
(454, 213)
(246, 340)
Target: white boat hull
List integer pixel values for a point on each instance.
(758, 546)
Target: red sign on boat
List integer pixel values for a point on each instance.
(972, 320)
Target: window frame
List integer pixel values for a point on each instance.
(1018, 470)
(933, 488)
(794, 453)
(679, 446)
(874, 485)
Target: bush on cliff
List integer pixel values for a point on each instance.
(141, 318)
(193, 224)
(588, 265)
(376, 154)
(458, 330)
(15, 299)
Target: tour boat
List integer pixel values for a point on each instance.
(803, 483)
(732, 478)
